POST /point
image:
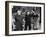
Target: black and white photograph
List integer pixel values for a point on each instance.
(25, 18)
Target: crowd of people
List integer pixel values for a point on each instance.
(25, 20)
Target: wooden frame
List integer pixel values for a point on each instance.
(7, 17)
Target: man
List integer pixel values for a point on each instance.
(35, 20)
(27, 20)
(19, 20)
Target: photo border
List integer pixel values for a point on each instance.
(7, 17)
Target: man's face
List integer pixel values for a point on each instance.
(19, 12)
(28, 13)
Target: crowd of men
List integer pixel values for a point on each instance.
(25, 20)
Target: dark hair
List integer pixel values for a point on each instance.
(23, 10)
(34, 9)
